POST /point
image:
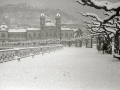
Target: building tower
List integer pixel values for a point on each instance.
(58, 20)
(42, 21)
(3, 33)
(6, 21)
(58, 25)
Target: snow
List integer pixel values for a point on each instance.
(111, 35)
(3, 26)
(91, 22)
(93, 16)
(102, 4)
(42, 15)
(49, 24)
(118, 25)
(22, 30)
(33, 29)
(96, 26)
(3, 29)
(80, 2)
(110, 13)
(113, 6)
(58, 15)
(111, 30)
(17, 30)
(106, 18)
(63, 28)
(68, 69)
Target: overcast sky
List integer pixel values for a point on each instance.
(66, 5)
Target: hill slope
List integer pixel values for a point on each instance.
(26, 15)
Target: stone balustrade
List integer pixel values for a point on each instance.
(26, 43)
(7, 55)
(18, 53)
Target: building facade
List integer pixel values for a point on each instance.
(47, 30)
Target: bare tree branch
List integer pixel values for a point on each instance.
(105, 5)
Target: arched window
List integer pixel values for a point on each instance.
(34, 34)
(13, 35)
(46, 34)
(22, 34)
(10, 35)
(3, 35)
(29, 35)
(39, 35)
(61, 34)
(70, 34)
(50, 34)
(43, 34)
(54, 34)
(42, 28)
(18, 35)
(66, 34)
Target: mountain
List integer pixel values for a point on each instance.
(29, 16)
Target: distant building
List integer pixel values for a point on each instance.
(47, 30)
(71, 25)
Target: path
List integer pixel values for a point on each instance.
(69, 69)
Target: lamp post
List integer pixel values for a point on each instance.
(91, 41)
(60, 33)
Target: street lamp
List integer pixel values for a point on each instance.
(91, 42)
(60, 33)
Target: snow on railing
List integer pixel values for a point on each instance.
(19, 53)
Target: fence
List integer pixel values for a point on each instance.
(18, 53)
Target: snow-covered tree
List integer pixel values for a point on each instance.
(78, 33)
(114, 8)
(110, 25)
(96, 28)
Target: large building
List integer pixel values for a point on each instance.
(47, 30)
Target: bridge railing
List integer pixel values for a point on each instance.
(18, 53)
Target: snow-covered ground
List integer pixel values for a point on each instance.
(68, 69)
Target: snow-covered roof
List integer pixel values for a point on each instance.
(33, 29)
(17, 30)
(48, 23)
(58, 15)
(42, 15)
(67, 29)
(3, 27)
